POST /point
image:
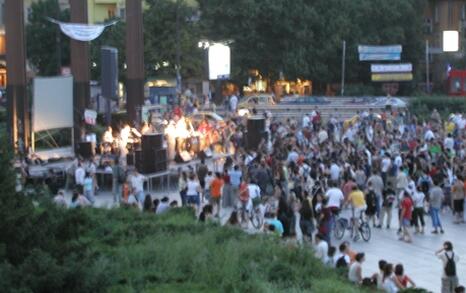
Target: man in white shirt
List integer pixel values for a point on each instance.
(449, 278)
(448, 142)
(429, 135)
(137, 183)
(306, 121)
(79, 175)
(385, 167)
(334, 197)
(321, 249)
(233, 103)
(335, 173)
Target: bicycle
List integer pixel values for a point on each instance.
(253, 215)
(341, 224)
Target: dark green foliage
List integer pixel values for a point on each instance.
(47, 48)
(423, 106)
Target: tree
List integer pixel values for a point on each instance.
(47, 49)
(303, 39)
(160, 38)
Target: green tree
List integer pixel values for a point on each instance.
(160, 38)
(304, 38)
(47, 49)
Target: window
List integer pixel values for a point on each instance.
(111, 13)
(428, 26)
(122, 13)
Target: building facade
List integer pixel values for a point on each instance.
(441, 15)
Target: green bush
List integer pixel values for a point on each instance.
(423, 106)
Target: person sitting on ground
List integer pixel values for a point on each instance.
(321, 249)
(377, 278)
(59, 199)
(163, 206)
(331, 256)
(173, 204)
(148, 206)
(403, 279)
(233, 219)
(79, 201)
(343, 259)
(155, 203)
(206, 214)
(272, 220)
(389, 282)
(355, 270)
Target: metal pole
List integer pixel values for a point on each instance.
(427, 68)
(343, 65)
(178, 53)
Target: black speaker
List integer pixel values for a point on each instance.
(86, 149)
(150, 161)
(256, 129)
(152, 141)
(109, 72)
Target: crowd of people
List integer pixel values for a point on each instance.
(384, 166)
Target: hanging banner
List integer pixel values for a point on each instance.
(383, 68)
(81, 32)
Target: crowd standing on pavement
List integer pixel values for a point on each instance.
(383, 166)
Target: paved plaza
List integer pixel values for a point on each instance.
(418, 257)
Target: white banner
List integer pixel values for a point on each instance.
(383, 68)
(363, 49)
(81, 32)
(90, 117)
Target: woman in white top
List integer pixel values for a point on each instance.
(193, 188)
(355, 270)
(388, 282)
(418, 211)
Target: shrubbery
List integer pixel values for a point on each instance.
(423, 106)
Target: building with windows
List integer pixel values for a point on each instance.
(101, 10)
(439, 16)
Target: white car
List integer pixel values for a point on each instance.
(252, 101)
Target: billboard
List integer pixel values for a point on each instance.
(380, 53)
(384, 77)
(52, 103)
(219, 61)
(387, 68)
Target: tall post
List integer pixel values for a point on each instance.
(178, 50)
(427, 68)
(79, 69)
(134, 58)
(18, 102)
(343, 68)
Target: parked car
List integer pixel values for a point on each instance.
(252, 101)
(306, 100)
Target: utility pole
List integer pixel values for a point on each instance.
(134, 58)
(79, 69)
(427, 68)
(17, 97)
(343, 68)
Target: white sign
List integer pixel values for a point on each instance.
(52, 103)
(362, 49)
(90, 117)
(81, 32)
(219, 61)
(383, 68)
(450, 41)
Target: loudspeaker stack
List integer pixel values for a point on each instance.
(152, 157)
(256, 131)
(86, 149)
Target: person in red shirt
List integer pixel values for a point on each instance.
(216, 192)
(406, 216)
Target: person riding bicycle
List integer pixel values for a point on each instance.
(254, 193)
(358, 206)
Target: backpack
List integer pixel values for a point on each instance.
(341, 262)
(450, 267)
